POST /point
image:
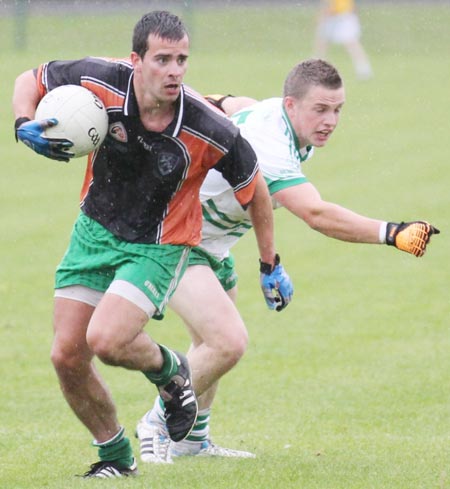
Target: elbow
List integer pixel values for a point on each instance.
(313, 220)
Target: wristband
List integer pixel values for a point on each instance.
(18, 122)
(267, 268)
(382, 233)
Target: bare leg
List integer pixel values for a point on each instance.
(206, 399)
(115, 334)
(80, 382)
(219, 339)
(359, 59)
(82, 332)
(219, 336)
(118, 338)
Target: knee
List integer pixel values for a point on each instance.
(104, 348)
(69, 359)
(233, 346)
(240, 345)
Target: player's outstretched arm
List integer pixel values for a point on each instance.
(337, 222)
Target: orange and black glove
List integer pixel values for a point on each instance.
(411, 237)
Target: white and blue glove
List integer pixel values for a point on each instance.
(31, 133)
(276, 285)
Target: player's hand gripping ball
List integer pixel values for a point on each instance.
(70, 122)
(32, 133)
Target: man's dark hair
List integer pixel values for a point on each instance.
(316, 72)
(160, 23)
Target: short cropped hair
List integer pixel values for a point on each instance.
(312, 72)
(160, 23)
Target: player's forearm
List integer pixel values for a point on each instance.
(261, 215)
(343, 224)
(231, 105)
(25, 96)
(331, 219)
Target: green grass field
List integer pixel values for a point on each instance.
(348, 388)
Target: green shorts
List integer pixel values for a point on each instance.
(224, 270)
(96, 258)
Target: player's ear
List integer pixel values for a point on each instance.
(136, 61)
(289, 105)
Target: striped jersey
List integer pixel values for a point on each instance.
(268, 129)
(143, 186)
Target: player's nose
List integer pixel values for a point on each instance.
(331, 119)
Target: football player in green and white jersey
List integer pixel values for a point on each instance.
(283, 132)
(280, 156)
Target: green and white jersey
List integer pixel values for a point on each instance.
(267, 128)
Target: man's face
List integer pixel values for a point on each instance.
(315, 116)
(159, 74)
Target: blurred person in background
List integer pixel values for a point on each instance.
(338, 23)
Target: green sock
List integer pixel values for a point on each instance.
(117, 450)
(169, 368)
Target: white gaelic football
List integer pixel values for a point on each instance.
(81, 115)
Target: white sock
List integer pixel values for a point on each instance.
(200, 431)
(156, 414)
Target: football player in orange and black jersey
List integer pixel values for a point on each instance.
(140, 215)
